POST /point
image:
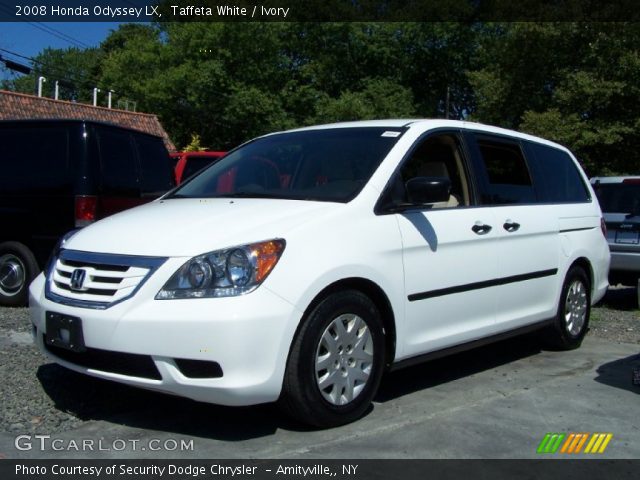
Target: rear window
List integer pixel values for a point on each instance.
(155, 165)
(619, 197)
(557, 176)
(34, 158)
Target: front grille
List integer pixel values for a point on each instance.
(103, 266)
(101, 280)
(130, 364)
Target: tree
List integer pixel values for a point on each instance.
(379, 98)
(576, 83)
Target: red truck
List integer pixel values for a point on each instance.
(189, 163)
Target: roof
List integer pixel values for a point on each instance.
(19, 106)
(431, 123)
(626, 179)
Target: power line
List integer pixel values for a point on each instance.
(58, 34)
(17, 54)
(69, 79)
(15, 66)
(56, 70)
(76, 77)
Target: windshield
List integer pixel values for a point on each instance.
(326, 165)
(619, 197)
(195, 164)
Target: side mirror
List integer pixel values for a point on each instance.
(427, 190)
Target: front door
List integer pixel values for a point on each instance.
(449, 254)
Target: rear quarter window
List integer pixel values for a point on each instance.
(557, 176)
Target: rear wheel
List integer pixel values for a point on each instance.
(336, 361)
(572, 318)
(18, 267)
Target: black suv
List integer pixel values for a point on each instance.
(620, 202)
(57, 175)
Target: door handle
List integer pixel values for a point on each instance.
(481, 228)
(510, 226)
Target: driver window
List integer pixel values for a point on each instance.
(439, 156)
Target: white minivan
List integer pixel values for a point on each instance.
(306, 263)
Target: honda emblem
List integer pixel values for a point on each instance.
(77, 280)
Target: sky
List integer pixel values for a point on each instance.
(30, 38)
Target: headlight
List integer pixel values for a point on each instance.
(224, 273)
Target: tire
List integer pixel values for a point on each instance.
(18, 267)
(336, 361)
(572, 318)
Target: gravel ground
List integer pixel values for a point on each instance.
(40, 397)
(617, 317)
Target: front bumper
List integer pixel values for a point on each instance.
(248, 336)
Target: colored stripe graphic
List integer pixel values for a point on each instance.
(550, 442)
(573, 443)
(598, 443)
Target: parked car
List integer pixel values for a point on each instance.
(305, 263)
(58, 175)
(190, 163)
(620, 201)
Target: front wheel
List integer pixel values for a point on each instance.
(336, 361)
(572, 318)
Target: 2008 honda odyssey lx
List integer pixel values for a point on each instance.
(305, 263)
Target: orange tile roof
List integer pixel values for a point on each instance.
(19, 106)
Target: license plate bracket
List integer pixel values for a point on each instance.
(627, 236)
(65, 331)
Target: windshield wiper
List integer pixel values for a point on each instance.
(178, 195)
(247, 194)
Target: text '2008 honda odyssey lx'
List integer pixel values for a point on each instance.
(305, 263)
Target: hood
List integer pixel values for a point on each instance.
(189, 227)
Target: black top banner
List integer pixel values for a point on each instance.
(318, 11)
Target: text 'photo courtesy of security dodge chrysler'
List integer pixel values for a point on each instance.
(304, 264)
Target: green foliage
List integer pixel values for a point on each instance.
(576, 83)
(573, 83)
(195, 145)
(379, 98)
